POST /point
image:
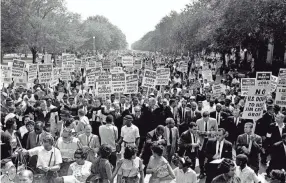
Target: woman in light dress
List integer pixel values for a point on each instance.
(131, 168)
(159, 167)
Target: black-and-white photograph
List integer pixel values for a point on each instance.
(143, 91)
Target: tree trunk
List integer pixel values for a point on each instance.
(34, 53)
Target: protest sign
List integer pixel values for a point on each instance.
(217, 90)
(116, 70)
(55, 76)
(65, 76)
(183, 67)
(207, 75)
(263, 79)
(78, 63)
(149, 79)
(90, 76)
(17, 68)
(45, 73)
(48, 58)
(148, 64)
(274, 81)
(98, 64)
(69, 66)
(118, 82)
(245, 84)
(131, 84)
(6, 74)
(32, 74)
(255, 103)
(127, 61)
(280, 98)
(162, 76)
(282, 77)
(145, 91)
(137, 63)
(21, 81)
(103, 84)
(106, 64)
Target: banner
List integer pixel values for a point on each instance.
(162, 76)
(280, 98)
(149, 79)
(282, 77)
(255, 102)
(18, 68)
(274, 81)
(45, 73)
(127, 61)
(131, 84)
(245, 84)
(32, 74)
(6, 74)
(118, 82)
(103, 84)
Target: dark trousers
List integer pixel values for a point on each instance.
(95, 127)
(202, 158)
(193, 157)
(113, 159)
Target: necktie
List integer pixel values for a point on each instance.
(170, 136)
(38, 139)
(218, 119)
(218, 151)
(206, 126)
(183, 115)
(247, 139)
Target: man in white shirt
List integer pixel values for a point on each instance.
(244, 172)
(109, 134)
(129, 132)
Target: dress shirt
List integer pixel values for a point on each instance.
(188, 177)
(280, 128)
(219, 146)
(247, 175)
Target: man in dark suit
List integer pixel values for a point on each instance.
(219, 115)
(189, 143)
(184, 117)
(234, 125)
(276, 130)
(194, 114)
(262, 126)
(148, 114)
(217, 149)
(250, 144)
(162, 113)
(278, 155)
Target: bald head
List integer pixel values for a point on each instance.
(170, 122)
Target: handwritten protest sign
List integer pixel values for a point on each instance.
(118, 82)
(162, 76)
(255, 103)
(6, 74)
(32, 74)
(245, 84)
(127, 61)
(17, 68)
(104, 84)
(149, 79)
(131, 84)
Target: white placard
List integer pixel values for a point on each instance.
(245, 84)
(131, 84)
(149, 79)
(118, 82)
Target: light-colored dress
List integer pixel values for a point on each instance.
(162, 170)
(80, 172)
(130, 169)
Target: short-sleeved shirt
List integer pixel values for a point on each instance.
(79, 172)
(129, 134)
(189, 177)
(108, 135)
(44, 156)
(247, 175)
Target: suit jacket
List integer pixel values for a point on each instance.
(263, 124)
(233, 127)
(175, 136)
(211, 127)
(92, 143)
(32, 139)
(148, 116)
(273, 134)
(278, 156)
(254, 155)
(175, 113)
(187, 117)
(184, 141)
(210, 150)
(161, 114)
(223, 117)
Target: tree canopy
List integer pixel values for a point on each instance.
(47, 26)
